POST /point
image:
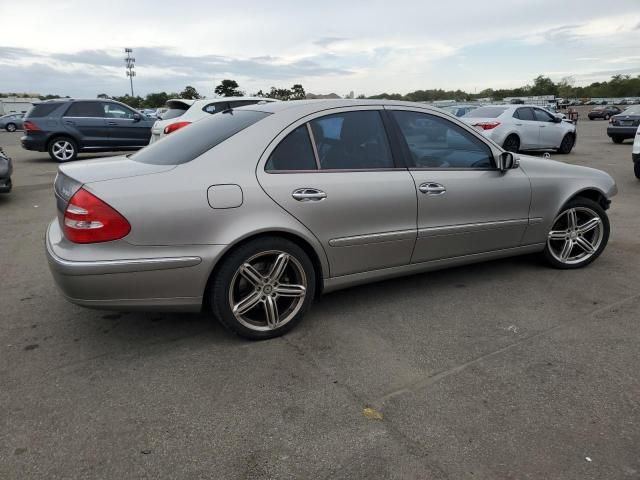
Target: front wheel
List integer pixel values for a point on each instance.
(11, 127)
(578, 236)
(567, 144)
(263, 288)
(617, 139)
(63, 149)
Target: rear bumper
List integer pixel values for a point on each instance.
(36, 143)
(622, 132)
(159, 279)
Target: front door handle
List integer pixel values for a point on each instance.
(308, 195)
(431, 188)
(69, 122)
(113, 124)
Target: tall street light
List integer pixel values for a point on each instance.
(130, 61)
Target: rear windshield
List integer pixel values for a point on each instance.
(192, 141)
(42, 110)
(173, 113)
(486, 112)
(635, 110)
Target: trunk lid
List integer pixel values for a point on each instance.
(109, 168)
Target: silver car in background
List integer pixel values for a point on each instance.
(12, 122)
(523, 127)
(255, 211)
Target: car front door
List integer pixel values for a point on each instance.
(528, 128)
(550, 131)
(466, 205)
(126, 127)
(85, 122)
(337, 175)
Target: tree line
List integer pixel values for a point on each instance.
(617, 86)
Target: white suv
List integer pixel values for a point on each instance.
(182, 112)
(523, 127)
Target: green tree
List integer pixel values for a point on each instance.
(155, 100)
(566, 89)
(190, 93)
(133, 102)
(297, 92)
(228, 88)
(543, 86)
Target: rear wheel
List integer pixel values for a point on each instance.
(11, 127)
(578, 236)
(511, 143)
(617, 139)
(606, 117)
(263, 288)
(567, 144)
(63, 149)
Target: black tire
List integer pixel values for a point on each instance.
(617, 139)
(606, 117)
(636, 169)
(595, 207)
(590, 118)
(225, 273)
(511, 143)
(10, 127)
(55, 142)
(567, 144)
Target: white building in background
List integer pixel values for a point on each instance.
(16, 104)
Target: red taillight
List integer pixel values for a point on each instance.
(486, 125)
(175, 126)
(88, 219)
(30, 127)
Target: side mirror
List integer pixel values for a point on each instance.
(557, 119)
(507, 161)
(137, 117)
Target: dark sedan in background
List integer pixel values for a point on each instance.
(624, 125)
(605, 112)
(66, 127)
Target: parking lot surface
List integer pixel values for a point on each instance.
(501, 370)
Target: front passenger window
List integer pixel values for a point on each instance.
(434, 142)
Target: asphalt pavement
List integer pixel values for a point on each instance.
(500, 370)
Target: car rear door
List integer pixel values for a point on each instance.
(551, 132)
(127, 128)
(527, 127)
(465, 204)
(85, 121)
(337, 175)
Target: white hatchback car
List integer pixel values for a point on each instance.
(184, 112)
(523, 127)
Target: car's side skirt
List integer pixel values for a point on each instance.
(345, 281)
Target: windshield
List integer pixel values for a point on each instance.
(486, 112)
(190, 142)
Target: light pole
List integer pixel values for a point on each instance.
(130, 61)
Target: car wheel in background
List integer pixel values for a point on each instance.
(567, 144)
(10, 127)
(617, 139)
(511, 143)
(263, 288)
(63, 149)
(578, 236)
(606, 117)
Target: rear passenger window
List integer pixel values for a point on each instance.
(525, 114)
(85, 109)
(293, 153)
(352, 141)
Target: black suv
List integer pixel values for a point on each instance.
(65, 127)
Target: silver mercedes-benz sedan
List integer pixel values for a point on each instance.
(253, 212)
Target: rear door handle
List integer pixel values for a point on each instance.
(69, 122)
(432, 188)
(112, 123)
(308, 195)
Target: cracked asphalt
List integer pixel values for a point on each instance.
(501, 370)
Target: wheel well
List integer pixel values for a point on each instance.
(302, 243)
(593, 195)
(512, 134)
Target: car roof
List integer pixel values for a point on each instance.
(207, 101)
(311, 106)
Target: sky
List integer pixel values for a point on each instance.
(75, 48)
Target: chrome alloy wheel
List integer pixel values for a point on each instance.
(575, 236)
(267, 290)
(62, 150)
